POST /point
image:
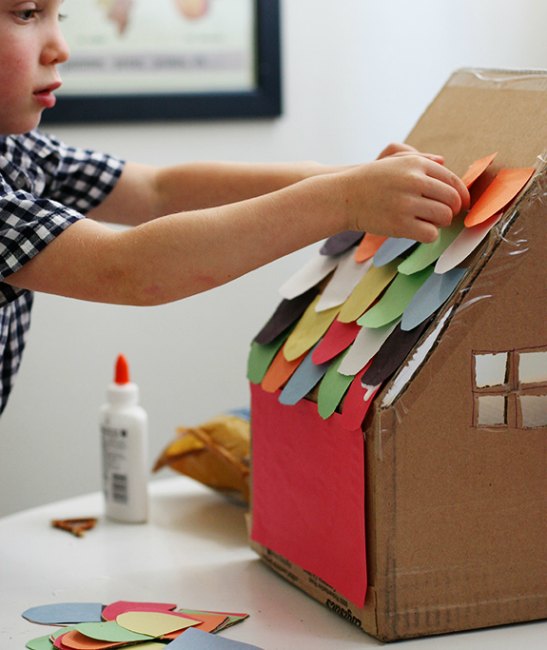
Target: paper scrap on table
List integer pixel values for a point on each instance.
(231, 617)
(365, 346)
(54, 636)
(153, 617)
(368, 247)
(113, 610)
(197, 640)
(501, 191)
(309, 329)
(431, 295)
(40, 643)
(393, 247)
(154, 624)
(308, 276)
(304, 379)
(464, 244)
(367, 291)
(280, 371)
(345, 278)
(64, 613)
(76, 526)
(282, 437)
(395, 300)
(74, 640)
(286, 314)
(425, 254)
(477, 168)
(112, 632)
(338, 338)
(341, 242)
(205, 622)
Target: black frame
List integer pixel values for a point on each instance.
(263, 101)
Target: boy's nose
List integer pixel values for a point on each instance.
(56, 49)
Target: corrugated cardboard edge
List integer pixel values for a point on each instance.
(362, 618)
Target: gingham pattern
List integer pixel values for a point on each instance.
(45, 186)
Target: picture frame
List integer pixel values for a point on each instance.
(258, 97)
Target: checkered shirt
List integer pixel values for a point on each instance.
(45, 186)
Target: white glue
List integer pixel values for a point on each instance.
(124, 431)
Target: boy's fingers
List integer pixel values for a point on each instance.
(393, 149)
(430, 156)
(435, 157)
(448, 177)
(428, 232)
(444, 194)
(437, 213)
(424, 231)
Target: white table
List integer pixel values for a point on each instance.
(194, 553)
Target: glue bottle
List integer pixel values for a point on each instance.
(124, 431)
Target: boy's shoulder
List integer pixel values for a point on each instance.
(34, 143)
(23, 158)
(23, 148)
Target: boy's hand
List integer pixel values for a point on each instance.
(402, 149)
(404, 194)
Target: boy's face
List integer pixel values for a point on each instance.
(31, 47)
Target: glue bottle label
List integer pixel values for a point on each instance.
(115, 469)
(124, 471)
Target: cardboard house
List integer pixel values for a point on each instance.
(426, 514)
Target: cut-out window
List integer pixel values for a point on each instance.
(534, 410)
(510, 389)
(490, 369)
(492, 410)
(533, 367)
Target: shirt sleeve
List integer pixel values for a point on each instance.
(28, 225)
(60, 184)
(78, 178)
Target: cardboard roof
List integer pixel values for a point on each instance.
(463, 124)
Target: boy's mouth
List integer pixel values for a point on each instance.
(45, 95)
(48, 89)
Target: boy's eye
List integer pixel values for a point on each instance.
(27, 14)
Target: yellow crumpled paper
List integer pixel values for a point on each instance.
(215, 453)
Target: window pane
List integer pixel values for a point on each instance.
(490, 369)
(492, 410)
(534, 410)
(532, 367)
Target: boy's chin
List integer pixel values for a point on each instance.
(22, 125)
(19, 125)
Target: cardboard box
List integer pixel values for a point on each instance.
(454, 493)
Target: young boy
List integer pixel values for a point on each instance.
(185, 217)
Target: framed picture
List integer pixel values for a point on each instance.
(139, 60)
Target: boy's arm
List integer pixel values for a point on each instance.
(144, 192)
(184, 253)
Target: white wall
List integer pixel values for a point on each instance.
(357, 74)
